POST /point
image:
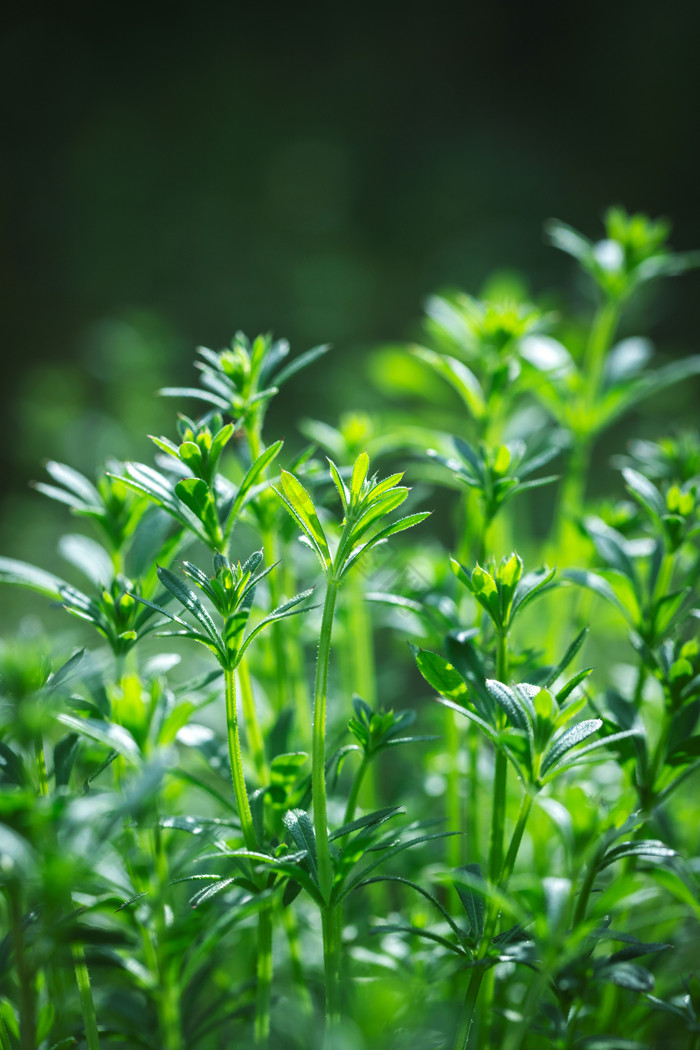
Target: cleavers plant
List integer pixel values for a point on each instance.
(223, 843)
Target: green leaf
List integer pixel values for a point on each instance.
(88, 556)
(75, 482)
(441, 675)
(595, 583)
(651, 849)
(112, 736)
(252, 475)
(298, 501)
(645, 492)
(460, 378)
(25, 575)
(190, 601)
(301, 362)
(359, 475)
(568, 739)
(300, 827)
(473, 901)
(566, 659)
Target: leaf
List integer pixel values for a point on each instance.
(190, 601)
(627, 975)
(88, 556)
(568, 739)
(75, 482)
(112, 736)
(460, 378)
(473, 901)
(510, 703)
(441, 675)
(12, 769)
(25, 575)
(595, 583)
(298, 501)
(197, 393)
(651, 849)
(255, 470)
(64, 755)
(301, 362)
(645, 492)
(300, 827)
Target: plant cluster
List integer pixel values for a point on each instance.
(243, 840)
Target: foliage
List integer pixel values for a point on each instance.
(490, 844)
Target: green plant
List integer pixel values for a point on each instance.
(209, 844)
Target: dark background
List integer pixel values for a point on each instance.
(172, 173)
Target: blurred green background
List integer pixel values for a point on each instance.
(174, 173)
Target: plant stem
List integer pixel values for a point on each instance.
(355, 790)
(236, 760)
(331, 928)
(82, 977)
(292, 932)
(318, 755)
(27, 1005)
(252, 725)
(330, 914)
(465, 1032)
(87, 1004)
(455, 844)
(516, 839)
(264, 975)
(602, 334)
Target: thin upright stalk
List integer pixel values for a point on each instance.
(355, 790)
(318, 753)
(27, 1005)
(236, 760)
(252, 725)
(465, 1033)
(330, 913)
(264, 975)
(82, 976)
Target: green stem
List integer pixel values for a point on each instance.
(602, 334)
(41, 766)
(586, 890)
(331, 929)
(236, 760)
(5, 1043)
(472, 836)
(292, 931)
(252, 725)
(498, 812)
(318, 754)
(264, 975)
(455, 844)
(27, 1005)
(466, 1030)
(87, 1004)
(355, 790)
(516, 839)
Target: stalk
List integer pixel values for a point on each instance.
(516, 839)
(5, 1043)
(318, 753)
(27, 1005)
(82, 976)
(455, 844)
(264, 975)
(252, 725)
(330, 926)
(330, 914)
(496, 868)
(236, 760)
(292, 932)
(355, 790)
(87, 1004)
